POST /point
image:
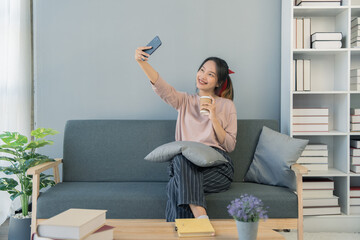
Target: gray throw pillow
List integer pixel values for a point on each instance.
(198, 153)
(274, 155)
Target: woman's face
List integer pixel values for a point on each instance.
(206, 77)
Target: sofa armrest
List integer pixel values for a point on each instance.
(299, 169)
(44, 166)
(35, 172)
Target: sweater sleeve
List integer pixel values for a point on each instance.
(168, 93)
(231, 131)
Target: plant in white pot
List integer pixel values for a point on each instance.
(247, 211)
(20, 155)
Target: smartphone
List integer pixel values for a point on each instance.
(155, 44)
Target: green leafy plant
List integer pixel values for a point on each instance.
(21, 155)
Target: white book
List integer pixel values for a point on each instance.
(355, 201)
(355, 160)
(355, 22)
(307, 74)
(311, 112)
(355, 152)
(294, 75)
(326, 36)
(315, 153)
(299, 1)
(294, 32)
(299, 75)
(312, 160)
(355, 38)
(354, 209)
(319, 202)
(355, 80)
(354, 191)
(316, 166)
(72, 224)
(355, 73)
(299, 33)
(308, 211)
(307, 32)
(355, 44)
(309, 119)
(354, 127)
(355, 168)
(310, 127)
(316, 147)
(355, 111)
(355, 32)
(318, 183)
(319, 4)
(355, 119)
(326, 44)
(355, 143)
(323, 193)
(354, 86)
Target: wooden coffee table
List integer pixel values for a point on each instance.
(159, 229)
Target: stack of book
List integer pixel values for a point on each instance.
(355, 155)
(302, 32)
(326, 40)
(355, 33)
(314, 157)
(355, 79)
(301, 75)
(310, 120)
(318, 197)
(354, 200)
(354, 119)
(84, 224)
(321, 3)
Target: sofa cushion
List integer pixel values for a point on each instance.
(129, 200)
(274, 155)
(197, 153)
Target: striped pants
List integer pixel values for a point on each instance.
(189, 183)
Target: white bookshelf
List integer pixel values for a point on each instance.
(330, 88)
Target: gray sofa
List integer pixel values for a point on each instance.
(104, 168)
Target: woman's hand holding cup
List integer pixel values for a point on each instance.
(140, 55)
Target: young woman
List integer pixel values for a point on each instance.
(189, 183)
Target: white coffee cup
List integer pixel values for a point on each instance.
(205, 99)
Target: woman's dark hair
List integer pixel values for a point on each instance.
(222, 72)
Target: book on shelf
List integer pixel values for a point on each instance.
(355, 32)
(294, 75)
(299, 75)
(355, 111)
(307, 33)
(310, 112)
(326, 44)
(318, 193)
(355, 44)
(355, 79)
(320, 4)
(354, 209)
(355, 22)
(106, 232)
(354, 127)
(299, 33)
(310, 127)
(328, 210)
(310, 119)
(316, 147)
(355, 201)
(299, 1)
(302, 160)
(354, 191)
(72, 224)
(355, 168)
(355, 152)
(355, 73)
(317, 183)
(307, 74)
(314, 153)
(193, 227)
(355, 143)
(355, 160)
(355, 38)
(321, 202)
(355, 86)
(326, 36)
(316, 166)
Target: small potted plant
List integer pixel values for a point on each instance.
(20, 156)
(247, 211)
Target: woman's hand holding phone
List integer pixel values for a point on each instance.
(140, 55)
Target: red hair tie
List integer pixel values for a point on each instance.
(225, 84)
(231, 72)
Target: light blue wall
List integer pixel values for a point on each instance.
(85, 67)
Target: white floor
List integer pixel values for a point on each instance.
(322, 236)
